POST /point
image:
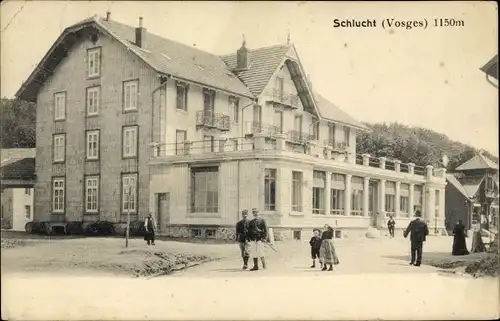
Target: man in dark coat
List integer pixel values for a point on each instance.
(257, 234)
(150, 227)
(419, 232)
(242, 237)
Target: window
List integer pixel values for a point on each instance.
(195, 232)
(208, 101)
(93, 95)
(130, 141)
(58, 195)
(130, 95)
(278, 120)
(235, 108)
(59, 106)
(337, 202)
(357, 195)
(298, 124)
(93, 144)
(27, 212)
(91, 194)
(389, 204)
(27, 191)
(347, 135)
(331, 134)
(182, 90)
(129, 193)
(210, 233)
(94, 62)
(297, 191)
(59, 148)
(337, 194)
(318, 200)
(205, 190)
(315, 125)
(279, 87)
(208, 144)
(403, 205)
(180, 138)
(270, 189)
(297, 235)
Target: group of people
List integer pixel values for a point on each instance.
(323, 249)
(251, 236)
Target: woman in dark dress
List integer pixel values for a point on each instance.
(328, 254)
(459, 245)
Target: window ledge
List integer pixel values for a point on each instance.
(204, 215)
(296, 213)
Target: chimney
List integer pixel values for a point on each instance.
(242, 56)
(108, 15)
(140, 35)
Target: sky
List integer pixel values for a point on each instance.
(419, 77)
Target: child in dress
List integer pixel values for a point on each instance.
(315, 243)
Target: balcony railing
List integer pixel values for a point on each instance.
(337, 146)
(299, 137)
(210, 119)
(260, 128)
(287, 99)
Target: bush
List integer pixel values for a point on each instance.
(100, 228)
(74, 228)
(137, 228)
(36, 227)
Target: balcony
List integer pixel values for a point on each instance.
(298, 137)
(271, 131)
(211, 120)
(339, 147)
(286, 99)
(258, 146)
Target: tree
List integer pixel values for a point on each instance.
(18, 124)
(413, 145)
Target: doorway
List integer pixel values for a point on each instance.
(163, 212)
(373, 202)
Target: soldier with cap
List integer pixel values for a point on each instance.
(257, 234)
(419, 231)
(242, 237)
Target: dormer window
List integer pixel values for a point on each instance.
(94, 62)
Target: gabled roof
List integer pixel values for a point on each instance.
(454, 181)
(331, 112)
(10, 155)
(163, 55)
(472, 186)
(263, 64)
(491, 67)
(479, 161)
(18, 163)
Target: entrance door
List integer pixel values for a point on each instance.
(163, 211)
(373, 202)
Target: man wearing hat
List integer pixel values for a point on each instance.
(257, 234)
(242, 237)
(419, 230)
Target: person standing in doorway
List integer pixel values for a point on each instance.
(242, 237)
(257, 234)
(390, 225)
(150, 227)
(419, 231)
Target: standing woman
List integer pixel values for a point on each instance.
(327, 250)
(459, 245)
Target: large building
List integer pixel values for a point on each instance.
(129, 122)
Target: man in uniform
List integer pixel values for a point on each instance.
(419, 231)
(257, 234)
(242, 237)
